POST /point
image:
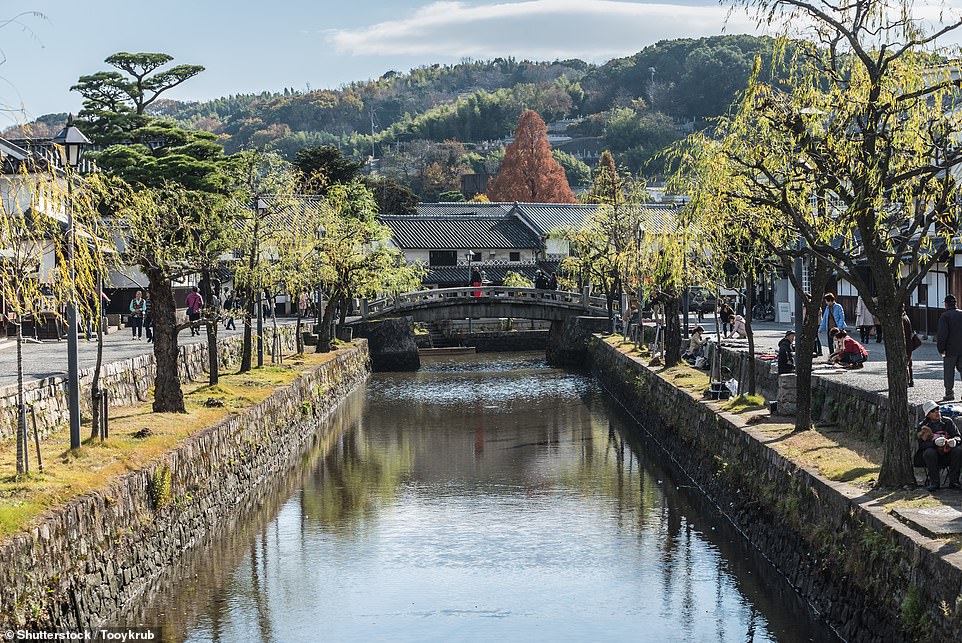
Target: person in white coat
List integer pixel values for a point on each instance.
(864, 320)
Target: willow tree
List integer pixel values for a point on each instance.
(35, 274)
(607, 246)
(352, 256)
(265, 206)
(868, 130)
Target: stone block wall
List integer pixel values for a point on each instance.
(871, 577)
(85, 564)
(127, 381)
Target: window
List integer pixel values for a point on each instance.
(476, 257)
(443, 258)
(514, 256)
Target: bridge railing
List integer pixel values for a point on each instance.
(561, 298)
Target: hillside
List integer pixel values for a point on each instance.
(434, 123)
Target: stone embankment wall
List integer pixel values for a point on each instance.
(127, 381)
(505, 340)
(871, 577)
(83, 565)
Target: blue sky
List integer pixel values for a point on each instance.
(252, 46)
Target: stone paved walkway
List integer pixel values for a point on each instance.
(926, 361)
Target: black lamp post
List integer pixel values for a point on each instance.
(261, 212)
(71, 143)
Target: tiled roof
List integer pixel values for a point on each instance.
(453, 276)
(456, 232)
(546, 217)
(458, 208)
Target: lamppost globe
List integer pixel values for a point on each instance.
(71, 143)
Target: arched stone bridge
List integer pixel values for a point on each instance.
(485, 301)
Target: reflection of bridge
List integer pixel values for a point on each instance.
(486, 301)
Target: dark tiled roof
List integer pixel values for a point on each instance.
(457, 232)
(453, 276)
(546, 217)
(456, 208)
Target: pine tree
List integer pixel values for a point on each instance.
(529, 173)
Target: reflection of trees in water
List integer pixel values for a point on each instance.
(356, 476)
(195, 593)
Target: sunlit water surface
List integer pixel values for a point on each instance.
(485, 498)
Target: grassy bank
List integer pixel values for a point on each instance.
(137, 437)
(831, 450)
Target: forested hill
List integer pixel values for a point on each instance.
(435, 123)
(637, 100)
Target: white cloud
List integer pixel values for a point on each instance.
(592, 29)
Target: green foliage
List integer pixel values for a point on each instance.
(325, 165)
(115, 102)
(913, 609)
(514, 280)
(158, 487)
(577, 172)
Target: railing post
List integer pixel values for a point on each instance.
(364, 308)
(586, 297)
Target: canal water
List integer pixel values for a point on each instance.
(483, 498)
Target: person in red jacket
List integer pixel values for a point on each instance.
(850, 353)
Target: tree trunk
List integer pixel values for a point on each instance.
(210, 317)
(247, 352)
(168, 395)
(95, 392)
(672, 330)
(805, 346)
(897, 441)
(324, 335)
(299, 339)
(213, 356)
(21, 404)
(752, 384)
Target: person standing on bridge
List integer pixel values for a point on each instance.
(553, 281)
(476, 282)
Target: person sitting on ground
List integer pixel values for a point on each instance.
(738, 330)
(696, 344)
(850, 353)
(940, 445)
(786, 353)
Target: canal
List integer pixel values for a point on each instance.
(482, 498)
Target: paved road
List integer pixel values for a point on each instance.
(49, 358)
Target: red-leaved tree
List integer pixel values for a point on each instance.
(528, 172)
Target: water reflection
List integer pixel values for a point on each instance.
(481, 499)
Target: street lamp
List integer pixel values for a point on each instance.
(71, 143)
(261, 211)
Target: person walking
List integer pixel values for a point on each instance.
(230, 302)
(724, 314)
(948, 340)
(137, 308)
(863, 320)
(148, 318)
(194, 304)
(832, 317)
